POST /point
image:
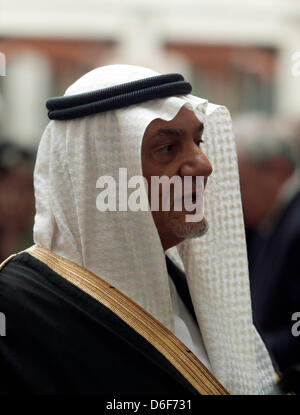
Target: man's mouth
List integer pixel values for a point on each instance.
(191, 196)
(189, 201)
(187, 198)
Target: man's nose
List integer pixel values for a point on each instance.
(196, 164)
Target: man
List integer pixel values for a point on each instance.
(270, 188)
(91, 308)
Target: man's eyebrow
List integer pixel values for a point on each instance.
(169, 131)
(176, 131)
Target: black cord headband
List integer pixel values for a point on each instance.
(118, 96)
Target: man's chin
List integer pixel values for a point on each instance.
(188, 230)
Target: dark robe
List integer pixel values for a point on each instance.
(60, 340)
(274, 265)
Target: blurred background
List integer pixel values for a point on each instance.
(242, 54)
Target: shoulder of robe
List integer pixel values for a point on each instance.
(6, 261)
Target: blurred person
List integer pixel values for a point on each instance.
(120, 301)
(16, 199)
(270, 188)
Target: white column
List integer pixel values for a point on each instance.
(141, 43)
(26, 86)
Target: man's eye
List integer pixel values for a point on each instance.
(166, 149)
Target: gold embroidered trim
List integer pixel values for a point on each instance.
(137, 318)
(2, 265)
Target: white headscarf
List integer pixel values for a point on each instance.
(124, 247)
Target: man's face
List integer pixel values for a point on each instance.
(173, 148)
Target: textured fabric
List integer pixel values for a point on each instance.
(186, 328)
(124, 247)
